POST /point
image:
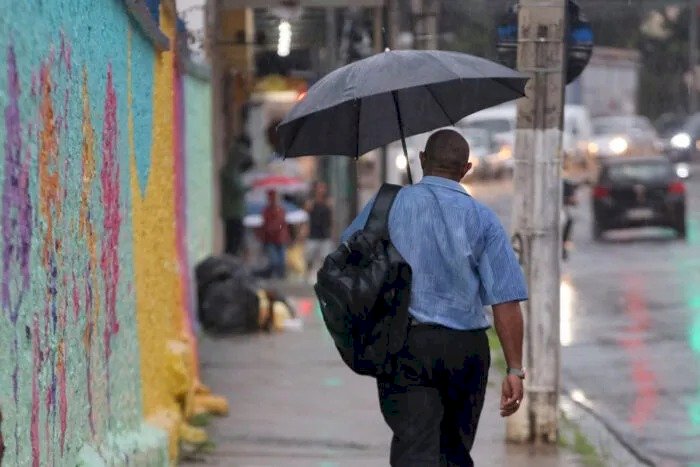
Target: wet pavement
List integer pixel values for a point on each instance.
(631, 329)
(295, 404)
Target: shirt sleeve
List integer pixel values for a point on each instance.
(359, 222)
(502, 278)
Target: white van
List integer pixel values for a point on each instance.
(501, 122)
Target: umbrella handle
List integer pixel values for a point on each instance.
(395, 95)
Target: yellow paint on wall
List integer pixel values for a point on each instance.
(167, 366)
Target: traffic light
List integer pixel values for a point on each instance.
(579, 40)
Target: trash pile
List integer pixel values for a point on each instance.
(230, 300)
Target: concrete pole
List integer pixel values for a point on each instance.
(425, 17)
(393, 28)
(377, 27)
(331, 40)
(536, 209)
(393, 23)
(213, 28)
(693, 55)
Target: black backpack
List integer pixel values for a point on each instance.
(364, 292)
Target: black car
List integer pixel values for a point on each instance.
(638, 192)
(683, 144)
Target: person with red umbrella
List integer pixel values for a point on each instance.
(275, 236)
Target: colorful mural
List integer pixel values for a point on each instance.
(95, 286)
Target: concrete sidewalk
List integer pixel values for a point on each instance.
(295, 404)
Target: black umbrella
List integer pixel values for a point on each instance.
(392, 95)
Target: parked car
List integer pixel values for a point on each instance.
(683, 145)
(638, 192)
(628, 135)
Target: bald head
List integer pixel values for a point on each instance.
(446, 154)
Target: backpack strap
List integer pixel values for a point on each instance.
(378, 220)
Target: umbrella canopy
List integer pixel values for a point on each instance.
(293, 214)
(390, 96)
(280, 183)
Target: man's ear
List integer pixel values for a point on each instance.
(467, 168)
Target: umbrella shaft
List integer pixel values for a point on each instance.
(395, 95)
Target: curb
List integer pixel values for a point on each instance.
(610, 444)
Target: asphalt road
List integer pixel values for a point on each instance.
(631, 329)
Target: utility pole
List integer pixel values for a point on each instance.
(425, 14)
(213, 28)
(693, 55)
(331, 40)
(536, 208)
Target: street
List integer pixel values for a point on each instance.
(630, 314)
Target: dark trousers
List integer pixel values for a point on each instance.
(433, 402)
(234, 236)
(277, 260)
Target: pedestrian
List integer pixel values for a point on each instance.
(318, 243)
(275, 236)
(233, 192)
(569, 202)
(461, 261)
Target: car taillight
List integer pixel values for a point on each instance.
(600, 192)
(676, 188)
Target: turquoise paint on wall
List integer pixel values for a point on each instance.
(199, 167)
(142, 77)
(76, 367)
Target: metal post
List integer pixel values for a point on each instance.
(536, 210)
(693, 55)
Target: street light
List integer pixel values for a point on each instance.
(285, 40)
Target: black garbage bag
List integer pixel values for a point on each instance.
(228, 302)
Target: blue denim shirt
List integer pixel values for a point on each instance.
(461, 256)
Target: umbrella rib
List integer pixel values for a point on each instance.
(432, 94)
(357, 140)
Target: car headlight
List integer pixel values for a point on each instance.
(401, 162)
(682, 170)
(618, 145)
(505, 153)
(593, 149)
(681, 141)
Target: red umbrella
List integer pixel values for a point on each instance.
(280, 182)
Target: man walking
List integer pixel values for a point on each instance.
(233, 192)
(461, 260)
(318, 243)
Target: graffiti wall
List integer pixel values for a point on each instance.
(200, 168)
(98, 362)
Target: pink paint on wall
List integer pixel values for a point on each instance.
(112, 218)
(66, 54)
(76, 298)
(34, 423)
(62, 394)
(180, 193)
